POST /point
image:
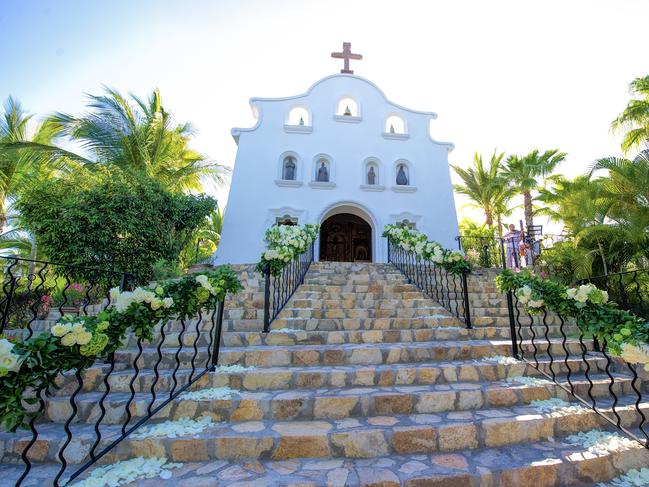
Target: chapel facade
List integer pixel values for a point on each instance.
(344, 156)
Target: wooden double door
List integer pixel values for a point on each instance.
(345, 238)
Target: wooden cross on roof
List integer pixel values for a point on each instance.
(346, 55)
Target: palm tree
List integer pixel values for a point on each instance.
(634, 120)
(524, 171)
(136, 135)
(18, 169)
(486, 187)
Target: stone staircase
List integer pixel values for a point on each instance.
(363, 381)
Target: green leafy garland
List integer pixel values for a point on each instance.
(75, 342)
(284, 243)
(626, 334)
(414, 241)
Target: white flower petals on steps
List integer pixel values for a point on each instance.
(128, 471)
(633, 478)
(558, 407)
(232, 369)
(174, 429)
(500, 359)
(209, 394)
(601, 442)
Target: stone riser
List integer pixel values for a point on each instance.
(332, 404)
(377, 354)
(541, 464)
(331, 324)
(312, 377)
(362, 302)
(361, 354)
(317, 337)
(342, 313)
(349, 438)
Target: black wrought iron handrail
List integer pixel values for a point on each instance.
(506, 252)
(629, 289)
(449, 290)
(278, 288)
(531, 343)
(199, 357)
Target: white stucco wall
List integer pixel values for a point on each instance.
(256, 199)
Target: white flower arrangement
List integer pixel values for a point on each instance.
(72, 334)
(528, 381)
(500, 359)
(285, 242)
(636, 354)
(9, 361)
(412, 240)
(557, 407)
(529, 298)
(601, 442)
(122, 300)
(633, 478)
(587, 292)
(128, 471)
(209, 394)
(174, 429)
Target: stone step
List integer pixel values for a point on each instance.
(433, 320)
(432, 309)
(543, 463)
(375, 295)
(274, 378)
(375, 287)
(361, 302)
(352, 354)
(370, 437)
(333, 403)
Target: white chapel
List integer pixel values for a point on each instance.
(341, 155)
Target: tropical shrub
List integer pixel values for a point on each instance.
(75, 342)
(414, 241)
(625, 334)
(112, 219)
(284, 243)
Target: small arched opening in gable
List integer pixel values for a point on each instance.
(299, 116)
(347, 107)
(394, 124)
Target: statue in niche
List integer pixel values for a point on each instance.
(323, 173)
(347, 112)
(391, 128)
(402, 178)
(371, 176)
(301, 122)
(289, 169)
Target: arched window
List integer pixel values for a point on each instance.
(403, 174)
(372, 174)
(299, 116)
(289, 168)
(323, 170)
(347, 107)
(286, 220)
(407, 224)
(395, 125)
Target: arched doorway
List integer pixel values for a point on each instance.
(345, 238)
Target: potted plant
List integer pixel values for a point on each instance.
(70, 298)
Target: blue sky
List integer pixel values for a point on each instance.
(511, 75)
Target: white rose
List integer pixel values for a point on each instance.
(10, 362)
(84, 337)
(61, 329)
(201, 279)
(69, 339)
(167, 302)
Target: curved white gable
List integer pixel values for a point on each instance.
(348, 142)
